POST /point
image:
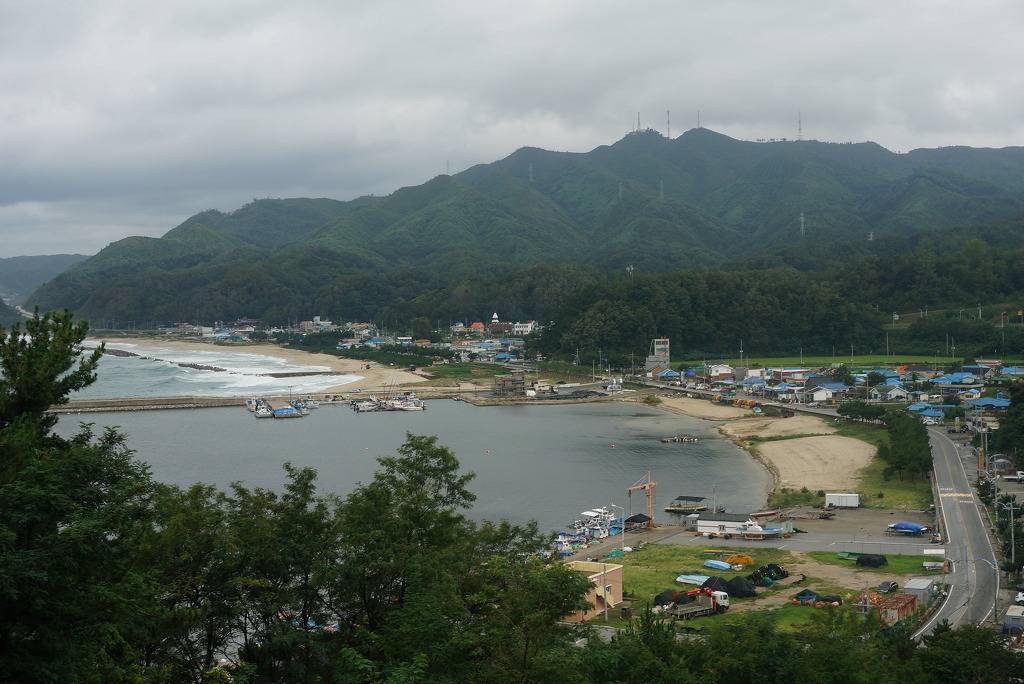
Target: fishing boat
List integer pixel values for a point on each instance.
(263, 412)
(250, 404)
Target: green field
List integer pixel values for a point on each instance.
(653, 569)
(857, 360)
(899, 564)
(906, 494)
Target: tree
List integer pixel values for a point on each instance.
(1010, 435)
(73, 513)
(969, 654)
(41, 366)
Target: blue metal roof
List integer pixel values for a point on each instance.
(668, 373)
(989, 402)
(919, 406)
(932, 413)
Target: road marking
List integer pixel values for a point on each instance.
(954, 494)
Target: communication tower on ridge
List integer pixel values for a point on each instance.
(668, 124)
(803, 232)
(799, 126)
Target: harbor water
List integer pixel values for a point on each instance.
(545, 463)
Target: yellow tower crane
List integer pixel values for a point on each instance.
(647, 485)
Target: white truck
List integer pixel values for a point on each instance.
(1018, 477)
(705, 602)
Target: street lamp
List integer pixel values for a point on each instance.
(622, 547)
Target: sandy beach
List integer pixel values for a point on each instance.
(805, 452)
(766, 427)
(828, 462)
(702, 408)
(373, 377)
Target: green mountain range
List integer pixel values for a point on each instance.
(700, 200)
(20, 275)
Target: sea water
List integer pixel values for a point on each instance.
(158, 372)
(542, 462)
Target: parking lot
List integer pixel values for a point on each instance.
(861, 530)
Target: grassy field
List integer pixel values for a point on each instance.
(445, 374)
(898, 564)
(906, 494)
(858, 360)
(654, 569)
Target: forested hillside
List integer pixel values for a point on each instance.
(8, 316)
(524, 234)
(20, 275)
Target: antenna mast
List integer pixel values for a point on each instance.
(531, 172)
(638, 122)
(799, 126)
(668, 124)
(802, 231)
(698, 119)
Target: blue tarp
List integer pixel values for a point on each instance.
(919, 406)
(909, 526)
(669, 373)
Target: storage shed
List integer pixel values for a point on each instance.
(922, 588)
(1013, 620)
(842, 500)
(896, 608)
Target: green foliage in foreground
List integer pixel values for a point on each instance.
(108, 576)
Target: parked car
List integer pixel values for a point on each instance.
(887, 587)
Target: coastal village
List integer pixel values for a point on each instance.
(834, 531)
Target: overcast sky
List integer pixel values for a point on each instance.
(125, 118)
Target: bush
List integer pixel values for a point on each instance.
(652, 400)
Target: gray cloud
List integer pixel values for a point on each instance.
(125, 118)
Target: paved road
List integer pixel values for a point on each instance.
(973, 582)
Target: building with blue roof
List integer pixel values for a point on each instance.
(932, 413)
(668, 373)
(990, 402)
(919, 406)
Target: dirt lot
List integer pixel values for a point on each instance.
(702, 408)
(828, 462)
(776, 427)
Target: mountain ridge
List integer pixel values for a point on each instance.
(700, 199)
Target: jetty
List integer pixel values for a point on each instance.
(687, 504)
(680, 439)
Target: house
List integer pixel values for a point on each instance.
(817, 394)
(990, 402)
(668, 374)
(895, 608)
(375, 342)
(605, 591)
(717, 371)
(710, 522)
(888, 393)
(1013, 371)
(476, 326)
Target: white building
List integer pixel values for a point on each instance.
(719, 370)
(524, 328)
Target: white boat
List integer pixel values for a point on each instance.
(251, 403)
(263, 412)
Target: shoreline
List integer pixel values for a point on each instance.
(370, 375)
(797, 452)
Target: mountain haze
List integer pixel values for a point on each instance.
(20, 275)
(702, 199)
